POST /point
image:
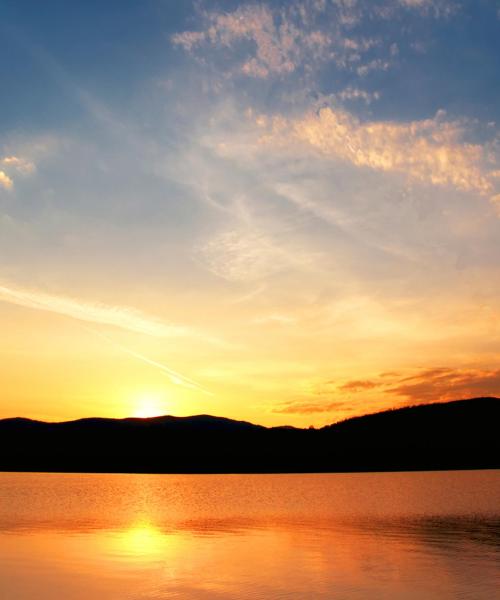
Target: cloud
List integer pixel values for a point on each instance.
(374, 65)
(5, 181)
(22, 165)
(266, 40)
(248, 255)
(351, 93)
(430, 151)
(437, 384)
(279, 45)
(425, 8)
(358, 385)
(432, 385)
(445, 6)
(14, 164)
(306, 408)
(118, 316)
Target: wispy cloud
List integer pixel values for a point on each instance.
(118, 316)
(306, 408)
(430, 385)
(248, 255)
(422, 386)
(358, 385)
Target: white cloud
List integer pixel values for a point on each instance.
(247, 256)
(352, 93)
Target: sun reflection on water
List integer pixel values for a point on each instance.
(248, 537)
(143, 541)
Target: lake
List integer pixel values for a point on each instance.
(366, 536)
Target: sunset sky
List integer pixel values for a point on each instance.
(283, 212)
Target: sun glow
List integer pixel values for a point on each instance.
(142, 540)
(149, 406)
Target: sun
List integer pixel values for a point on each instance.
(149, 406)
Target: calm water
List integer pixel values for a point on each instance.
(375, 536)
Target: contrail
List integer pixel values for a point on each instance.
(118, 316)
(174, 376)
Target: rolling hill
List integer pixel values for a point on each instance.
(462, 434)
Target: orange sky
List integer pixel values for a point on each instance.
(278, 215)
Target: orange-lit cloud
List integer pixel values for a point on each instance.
(283, 40)
(430, 385)
(430, 151)
(5, 181)
(13, 164)
(292, 37)
(358, 385)
(21, 165)
(278, 48)
(306, 408)
(423, 386)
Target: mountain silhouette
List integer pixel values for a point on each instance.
(462, 434)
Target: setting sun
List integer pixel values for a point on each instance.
(249, 299)
(149, 406)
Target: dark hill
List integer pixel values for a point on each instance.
(453, 435)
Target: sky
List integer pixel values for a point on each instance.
(282, 212)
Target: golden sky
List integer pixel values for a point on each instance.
(277, 212)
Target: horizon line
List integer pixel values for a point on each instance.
(165, 416)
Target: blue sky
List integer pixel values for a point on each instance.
(118, 50)
(301, 196)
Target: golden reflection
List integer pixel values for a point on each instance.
(143, 540)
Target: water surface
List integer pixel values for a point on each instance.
(217, 537)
